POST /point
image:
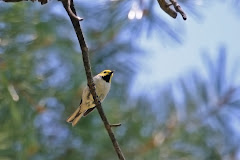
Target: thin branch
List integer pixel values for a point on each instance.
(71, 13)
(166, 8)
(42, 1)
(178, 9)
(115, 125)
(88, 71)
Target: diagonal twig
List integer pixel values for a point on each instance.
(91, 85)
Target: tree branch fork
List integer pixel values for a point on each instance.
(166, 7)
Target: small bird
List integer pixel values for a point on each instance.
(102, 82)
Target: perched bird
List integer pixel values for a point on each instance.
(102, 82)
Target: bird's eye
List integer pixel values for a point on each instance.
(104, 72)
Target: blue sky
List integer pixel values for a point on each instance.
(218, 26)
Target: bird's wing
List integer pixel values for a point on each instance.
(88, 111)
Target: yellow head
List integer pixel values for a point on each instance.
(106, 75)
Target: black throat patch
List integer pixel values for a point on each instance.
(107, 78)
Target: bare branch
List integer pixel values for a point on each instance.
(178, 9)
(88, 71)
(42, 1)
(166, 8)
(71, 13)
(115, 125)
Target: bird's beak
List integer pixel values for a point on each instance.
(112, 71)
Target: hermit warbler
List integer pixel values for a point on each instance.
(103, 83)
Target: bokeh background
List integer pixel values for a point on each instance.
(175, 90)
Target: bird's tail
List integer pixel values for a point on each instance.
(75, 117)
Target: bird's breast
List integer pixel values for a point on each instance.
(102, 89)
